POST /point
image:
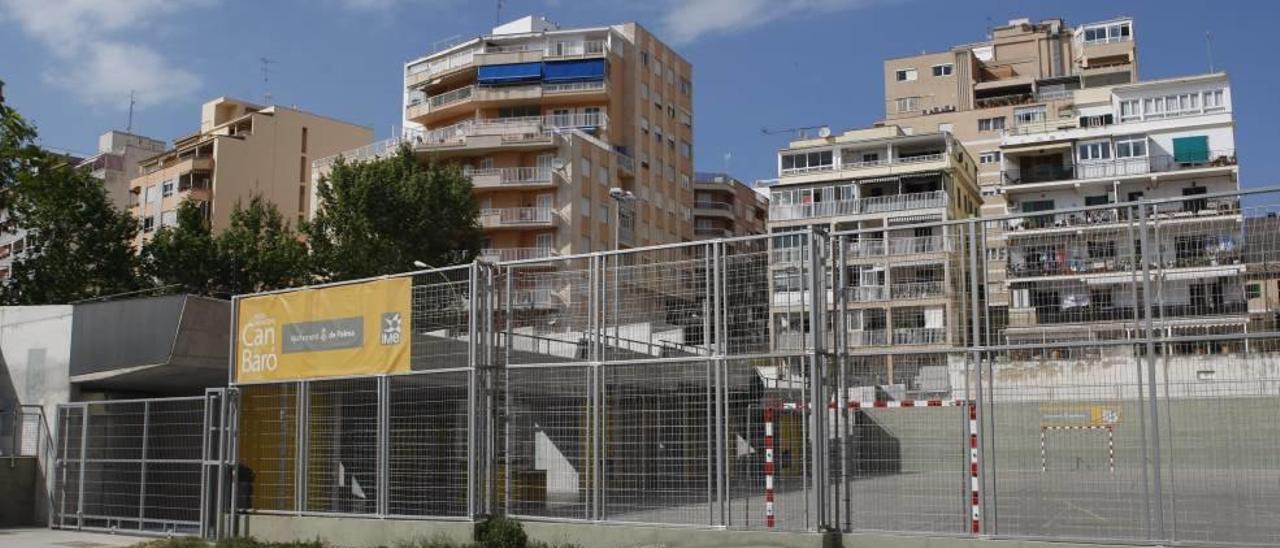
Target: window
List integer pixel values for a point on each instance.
(304, 140)
(1029, 115)
(602, 213)
(989, 157)
(991, 124)
(519, 111)
(602, 175)
(906, 75)
(671, 76)
(168, 218)
(1097, 150)
(943, 69)
(585, 165)
(686, 87)
(1213, 100)
(686, 149)
(684, 180)
(907, 104)
(1198, 204)
(148, 223)
(806, 161)
(302, 169)
(586, 207)
(644, 58)
(1100, 199)
(1131, 147)
(167, 188)
(1114, 32)
(151, 194)
(644, 90)
(946, 127)
(1129, 110)
(1253, 291)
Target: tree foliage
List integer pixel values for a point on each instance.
(258, 251)
(77, 245)
(378, 217)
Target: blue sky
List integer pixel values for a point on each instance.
(69, 64)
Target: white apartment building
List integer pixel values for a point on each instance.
(1070, 276)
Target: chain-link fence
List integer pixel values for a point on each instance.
(1102, 372)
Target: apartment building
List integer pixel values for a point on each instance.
(241, 150)
(13, 239)
(1024, 73)
(724, 207)
(872, 188)
(1069, 276)
(116, 162)
(576, 140)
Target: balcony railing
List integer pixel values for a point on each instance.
(588, 48)
(426, 69)
(858, 206)
(518, 253)
(918, 290)
(897, 246)
(515, 216)
(573, 87)
(869, 164)
(1028, 317)
(867, 293)
(919, 335)
(451, 97)
(866, 337)
(1122, 167)
(1083, 264)
(713, 205)
(1190, 207)
(510, 176)
(712, 232)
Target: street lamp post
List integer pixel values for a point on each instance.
(619, 196)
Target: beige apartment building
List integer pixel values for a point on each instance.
(872, 188)
(1024, 74)
(116, 162)
(576, 140)
(241, 150)
(724, 207)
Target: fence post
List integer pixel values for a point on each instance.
(1153, 411)
(84, 443)
(817, 401)
(719, 430)
(842, 500)
(977, 431)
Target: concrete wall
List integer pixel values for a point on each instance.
(35, 352)
(23, 503)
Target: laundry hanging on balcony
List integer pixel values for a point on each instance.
(573, 71)
(515, 73)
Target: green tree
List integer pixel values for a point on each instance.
(259, 251)
(17, 146)
(78, 246)
(380, 216)
(185, 255)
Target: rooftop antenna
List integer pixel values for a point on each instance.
(266, 78)
(497, 14)
(129, 127)
(1208, 44)
(727, 156)
(798, 132)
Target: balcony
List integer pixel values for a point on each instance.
(888, 165)
(573, 88)
(898, 291)
(518, 217)
(859, 206)
(536, 297)
(500, 131)
(429, 70)
(897, 246)
(510, 177)
(712, 232)
(1031, 317)
(866, 337)
(1118, 168)
(1078, 263)
(503, 254)
(434, 104)
(919, 335)
(713, 209)
(1198, 208)
(588, 48)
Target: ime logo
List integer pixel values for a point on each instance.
(390, 328)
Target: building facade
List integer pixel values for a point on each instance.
(576, 140)
(872, 189)
(116, 162)
(241, 150)
(1024, 73)
(1069, 275)
(724, 207)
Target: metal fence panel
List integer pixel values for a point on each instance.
(342, 440)
(428, 455)
(268, 447)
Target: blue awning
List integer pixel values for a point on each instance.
(509, 74)
(573, 71)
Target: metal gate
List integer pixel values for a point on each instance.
(154, 466)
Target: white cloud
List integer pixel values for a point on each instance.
(93, 60)
(688, 20)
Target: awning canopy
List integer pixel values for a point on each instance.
(573, 71)
(1036, 147)
(510, 73)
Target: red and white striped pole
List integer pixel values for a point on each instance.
(768, 467)
(974, 481)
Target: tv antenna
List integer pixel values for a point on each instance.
(266, 78)
(799, 132)
(1208, 45)
(129, 127)
(497, 14)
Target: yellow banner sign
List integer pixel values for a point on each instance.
(1080, 415)
(356, 329)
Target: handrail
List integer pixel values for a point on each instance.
(1119, 167)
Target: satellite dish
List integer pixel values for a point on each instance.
(824, 132)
